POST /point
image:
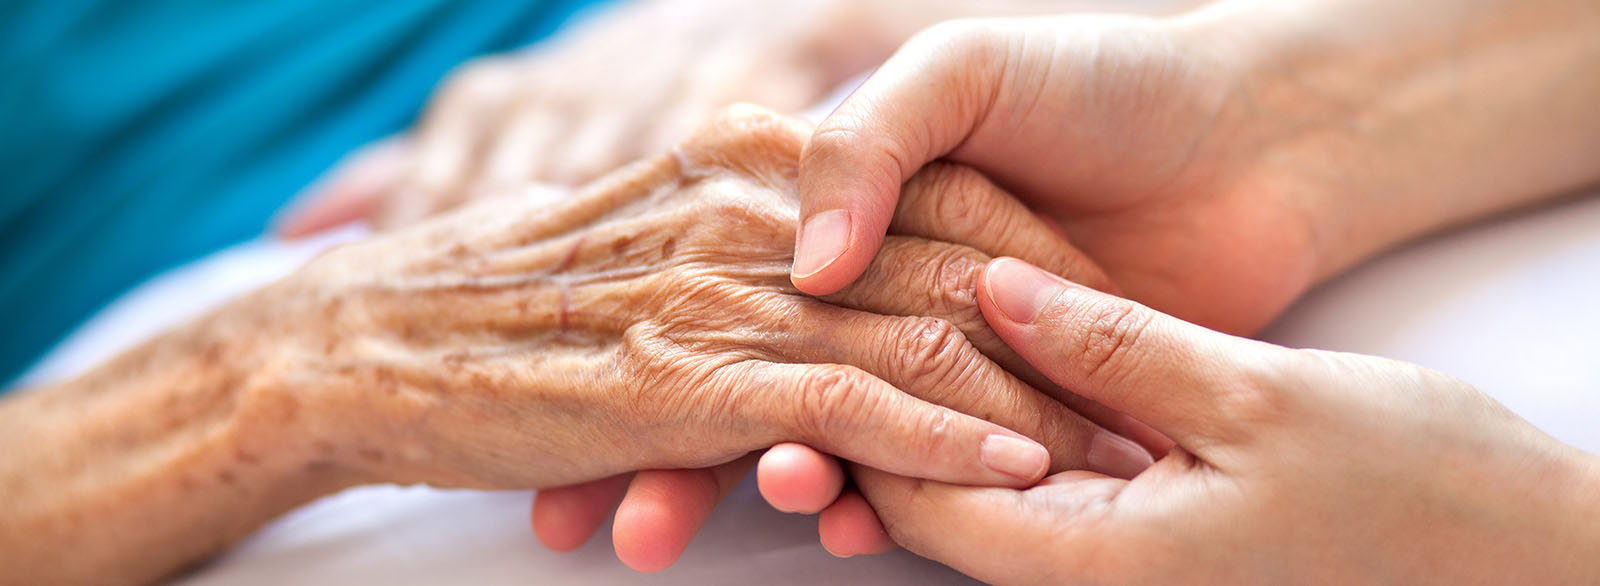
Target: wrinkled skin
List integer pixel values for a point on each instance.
(649, 323)
(646, 322)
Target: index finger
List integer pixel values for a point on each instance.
(920, 105)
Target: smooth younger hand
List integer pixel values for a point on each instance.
(1291, 466)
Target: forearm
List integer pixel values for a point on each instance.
(886, 24)
(1404, 117)
(1580, 520)
(153, 461)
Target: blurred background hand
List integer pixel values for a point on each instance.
(631, 81)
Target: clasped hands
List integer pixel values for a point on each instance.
(649, 323)
(1188, 187)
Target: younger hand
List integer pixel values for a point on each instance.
(1139, 137)
(1291, 466)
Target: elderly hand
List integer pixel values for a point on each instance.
(1292, 466)
(663, 509)
(648, 323)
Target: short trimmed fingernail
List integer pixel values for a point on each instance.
(1114, 455)
(1015, 457)
(822, 240)
(1020, 290)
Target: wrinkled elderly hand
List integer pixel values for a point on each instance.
(1292, 466)
(648, 323)
(662, 509)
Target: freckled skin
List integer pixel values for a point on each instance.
(647, 323)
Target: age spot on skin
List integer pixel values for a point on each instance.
(668, 247)
(620, 245)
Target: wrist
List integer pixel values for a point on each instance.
(1297, 92)
(1390, 120)
(270, 433)
(156, 459)
(323, 397)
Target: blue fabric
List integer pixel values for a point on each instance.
(137, 135)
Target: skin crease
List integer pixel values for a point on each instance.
(1317, 141)
(647, 323)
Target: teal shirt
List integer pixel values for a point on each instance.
(137, 135)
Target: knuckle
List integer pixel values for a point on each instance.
(1106, 352)
(848, 137)
(933, 435)
(962, 200)
(954, 286)
(747, 138)
(833, 400)
(836, 136)
(932, 350)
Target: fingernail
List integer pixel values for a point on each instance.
(1020, 290)
(1114, 455)
(1015, 457)
(822, 240)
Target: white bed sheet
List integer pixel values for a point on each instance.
(1512, 306)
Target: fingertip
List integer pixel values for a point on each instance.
(850, 527)
(553, 526)
(1019, 461)
(794, 478)
(564, 518)
(832, 249)
(646, 535)
(828, 280)
(660, 514)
